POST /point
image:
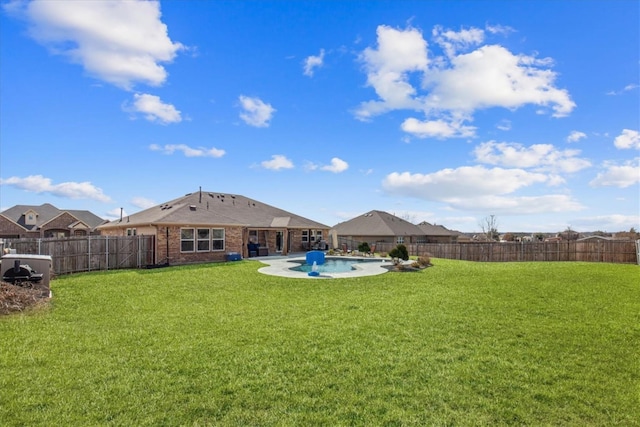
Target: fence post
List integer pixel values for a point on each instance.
(89, 252)
(106, 253)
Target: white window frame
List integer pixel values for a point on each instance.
(187, 239)
(305, 235)
(203, 244)
(217, 239)
(400, 240)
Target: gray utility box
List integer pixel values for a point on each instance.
(40, 264)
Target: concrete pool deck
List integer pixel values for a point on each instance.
(281, 267)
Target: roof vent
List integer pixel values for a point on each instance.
(192, 207)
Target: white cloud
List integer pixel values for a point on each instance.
(143, 202)
(121, 42)
(154, 109)
(277, 162)
(480, 189)
(313, 62)
(499, 29)
(437, 128)
(523, 205)
(116, 213)
(452, 41)
(627, 88)
(616, 175)
(492, 76)
(71, 190)
(399, 52)
(256, 112)
(541, 157)
(337, 165)
(612, 223)
(576, 136)
(453, 88)
(504, 125)
(628, 139)
(188, 151)
(462, 182)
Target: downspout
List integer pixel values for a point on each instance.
(167, 242)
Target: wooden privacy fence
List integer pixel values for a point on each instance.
(88, 253)
(614, 251)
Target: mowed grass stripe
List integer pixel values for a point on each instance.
(220, 344)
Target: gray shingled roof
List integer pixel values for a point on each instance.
(46, 212)
(207, 208)
(436, 230)
(377, 223)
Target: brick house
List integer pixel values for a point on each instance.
(438, 233)
(382, 227)
(205, 226)
(46, 220)
(379, 227)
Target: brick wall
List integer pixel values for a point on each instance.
(60, 223)
(10, 229)
(233, 243)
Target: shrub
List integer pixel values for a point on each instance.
(424, 260)
(399, 252)
(364, 247)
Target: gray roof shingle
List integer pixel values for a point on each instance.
(46, 212)
(377, 223)
(207, 208)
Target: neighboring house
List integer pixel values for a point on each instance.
(594, 237)
(438, 233)
(378, 227)
(23, 221)
(204, 226)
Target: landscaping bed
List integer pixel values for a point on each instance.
(18, 299)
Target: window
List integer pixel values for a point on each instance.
(187, 239)
(253, 236)
(203, 239)
(400, 240)
(311, 235)
(217, 239)
(131, 232)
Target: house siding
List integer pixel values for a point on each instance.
(9, 229)
(62, 223)
(233, 243)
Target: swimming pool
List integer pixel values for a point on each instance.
(334, 267)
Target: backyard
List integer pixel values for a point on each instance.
(459, 343)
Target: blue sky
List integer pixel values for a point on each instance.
(438, 111)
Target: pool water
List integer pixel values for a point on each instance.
(332, 265)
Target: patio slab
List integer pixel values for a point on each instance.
(282, 267)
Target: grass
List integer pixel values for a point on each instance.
(457, 344)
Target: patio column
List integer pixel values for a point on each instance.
(285, 242)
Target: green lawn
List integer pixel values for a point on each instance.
(219, 344)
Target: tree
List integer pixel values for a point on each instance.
(489, 227)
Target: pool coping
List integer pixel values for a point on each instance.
(281, 267)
